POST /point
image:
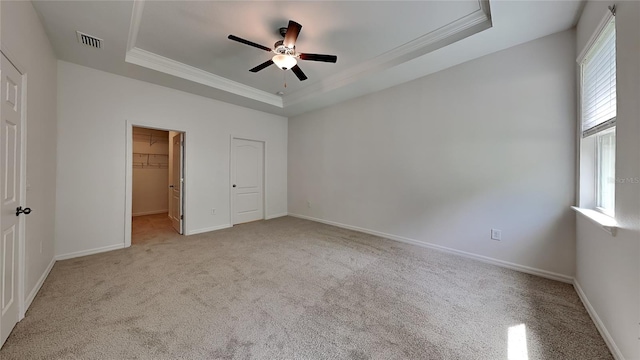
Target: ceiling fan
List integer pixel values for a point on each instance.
(286, 56)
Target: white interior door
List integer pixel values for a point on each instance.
(176, 186)
(247, 179)
(10, 187)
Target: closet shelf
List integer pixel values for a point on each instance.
(150, 161)
(150, 138)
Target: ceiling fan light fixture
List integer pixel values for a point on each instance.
(284, 62)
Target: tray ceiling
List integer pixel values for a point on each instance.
(196, 34)
(184, 45)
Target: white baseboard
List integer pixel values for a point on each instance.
(599, 324)
(213, 228)
(485, 259)
(36, 288)
(275, 216)
(154, 212)
(89, 252)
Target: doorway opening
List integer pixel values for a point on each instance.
(157, 179)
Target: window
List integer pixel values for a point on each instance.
(598, 113)
(606, 170)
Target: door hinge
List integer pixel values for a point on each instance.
(181, 217)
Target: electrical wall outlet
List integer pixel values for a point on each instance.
(496, 234)
(308, 204)
(213, 211)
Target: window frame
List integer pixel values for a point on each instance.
(588, 189)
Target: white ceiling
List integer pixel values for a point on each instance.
(184, 45)
(330, 28)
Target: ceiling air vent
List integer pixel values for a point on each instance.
(89, 40)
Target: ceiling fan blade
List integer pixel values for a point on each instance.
(293, 30)
(262, 66)
(319, 57)
(296, 70)
(247, 42)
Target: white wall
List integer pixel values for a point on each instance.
(608, 268)
(150, 184)
(445, 158)
(93, 108)
(25, 43)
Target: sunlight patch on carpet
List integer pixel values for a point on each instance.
(517, 343)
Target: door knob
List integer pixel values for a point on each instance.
(234, 185)
(171, 186)
(20, 210)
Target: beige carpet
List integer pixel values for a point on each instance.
(293, 289)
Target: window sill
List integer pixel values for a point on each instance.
(607, 223)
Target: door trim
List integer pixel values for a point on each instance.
(128, 178)
(22, 268)
(264, 174)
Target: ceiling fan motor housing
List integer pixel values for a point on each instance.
(279, 48)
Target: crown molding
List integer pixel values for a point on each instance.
(443, 36)
(458, 29)
(163, 64)
(136, 18)
(156, 62)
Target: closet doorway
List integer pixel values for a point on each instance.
(156, 185)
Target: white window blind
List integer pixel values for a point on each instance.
(599, 83)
